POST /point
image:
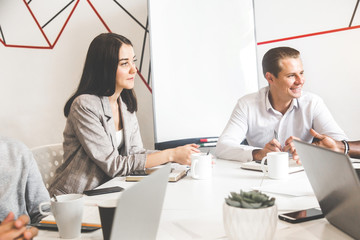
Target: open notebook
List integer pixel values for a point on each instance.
(256, 166)
(177, 172)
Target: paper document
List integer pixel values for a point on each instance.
(293, 166)
(296, 188)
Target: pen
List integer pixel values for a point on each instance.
(276, 135)
(277, 138)
(203, 140)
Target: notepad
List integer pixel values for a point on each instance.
(293, 166)
(177, 172)
(51, 225)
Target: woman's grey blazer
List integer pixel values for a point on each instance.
(90, 148)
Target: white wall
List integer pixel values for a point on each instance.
(35, 83)
(330, 59)
(201, 65)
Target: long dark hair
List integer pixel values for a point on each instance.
(99, 73)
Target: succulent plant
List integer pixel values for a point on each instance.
(253, 199)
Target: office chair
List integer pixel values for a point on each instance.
(49, 158)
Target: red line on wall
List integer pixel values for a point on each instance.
(96, 12)
(143, 79)
(51, 46)
(63, 27)
(37, 23)
(24, 46)
(309, 35)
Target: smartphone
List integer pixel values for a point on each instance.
(103, 191)
(139, 173)
(302, 215)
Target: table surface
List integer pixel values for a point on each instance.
(193, 208)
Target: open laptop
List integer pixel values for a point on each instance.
(138, 211)
(336, 185)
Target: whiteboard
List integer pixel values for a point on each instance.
(203, 59)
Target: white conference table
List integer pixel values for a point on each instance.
(193, 208)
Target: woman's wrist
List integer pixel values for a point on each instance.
(171, 154)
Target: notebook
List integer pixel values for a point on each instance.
(256, 166)
(177, 172)
(336, 185)
(138, 211)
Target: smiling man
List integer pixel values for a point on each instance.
(272, 117)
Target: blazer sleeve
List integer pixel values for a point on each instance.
(92, 130)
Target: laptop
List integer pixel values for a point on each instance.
(138, 211)
(336, 185)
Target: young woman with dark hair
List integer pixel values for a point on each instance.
(102, 137)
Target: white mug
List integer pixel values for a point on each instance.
(201, 166)
(68, 211)
(277, 165)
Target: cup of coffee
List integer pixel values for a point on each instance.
(68, 211)
(107, 211)
(201, 166)
(277, 165)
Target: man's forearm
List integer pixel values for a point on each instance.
(354, 149)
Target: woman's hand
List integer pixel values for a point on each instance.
(182, 154)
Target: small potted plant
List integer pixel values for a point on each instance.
(249, 215)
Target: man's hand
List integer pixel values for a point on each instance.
(272, 146)
(326, 141)
(290, 147)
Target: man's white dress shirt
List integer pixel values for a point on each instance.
(255, 120)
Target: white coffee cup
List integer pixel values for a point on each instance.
(277, 165)
(68, 211)
(201, 166)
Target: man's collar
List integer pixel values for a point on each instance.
(294, 102)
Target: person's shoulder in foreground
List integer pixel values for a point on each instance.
(21, 185)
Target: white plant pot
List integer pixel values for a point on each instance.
(244, 223)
